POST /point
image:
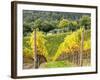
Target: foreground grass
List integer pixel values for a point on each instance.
(57, 64)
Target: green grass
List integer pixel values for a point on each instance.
(53, 42)
(56, 64)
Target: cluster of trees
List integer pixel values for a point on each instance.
(48, 21)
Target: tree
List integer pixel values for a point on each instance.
(73, 25)
(63, 23)
(27, 28)
(46, 26)
(85, 21)
(37, 23)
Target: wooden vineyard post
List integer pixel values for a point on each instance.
(81, 49)
(35, 51)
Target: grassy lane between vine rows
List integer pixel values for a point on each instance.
(53, 42)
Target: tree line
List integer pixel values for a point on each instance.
(47, 21)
